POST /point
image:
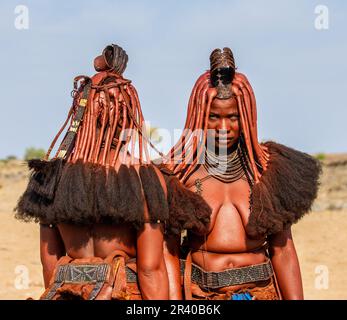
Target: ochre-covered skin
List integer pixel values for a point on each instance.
(99, 145)
(90, 222)
(240, 225)
(197, 118)
(100, 197)
(227, 244)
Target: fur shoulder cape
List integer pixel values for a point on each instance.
(84, 194)
(188, 210)
(285, 192)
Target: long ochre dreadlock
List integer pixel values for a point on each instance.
(221, 82)
(284, 181)
(112, 100)
(102, 172)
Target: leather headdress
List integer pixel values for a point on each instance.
(222, 71)
(113, 58)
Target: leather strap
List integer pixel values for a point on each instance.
(51, 293)
(114, 254)
(86, 99)
(67, 144)
(113, 270)
(118, 277)
(56, 281)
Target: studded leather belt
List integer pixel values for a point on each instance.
(229, 277)
(70, 273)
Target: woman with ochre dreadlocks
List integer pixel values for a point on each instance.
(103, 208)
(256, 192)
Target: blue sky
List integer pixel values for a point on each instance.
(298, 72)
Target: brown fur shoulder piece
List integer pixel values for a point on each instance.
(45, 176)
(154, 194)
(187, 209)
(285, 191)
(85, 194)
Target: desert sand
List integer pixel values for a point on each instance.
(320, 239)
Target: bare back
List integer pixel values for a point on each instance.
(98, 240)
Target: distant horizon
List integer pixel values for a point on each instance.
(21, 158)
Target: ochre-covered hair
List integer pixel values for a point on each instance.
(102, 171)
(284, 181)
(113, 101)
(190, 146)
